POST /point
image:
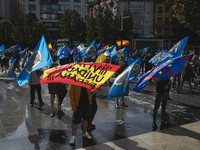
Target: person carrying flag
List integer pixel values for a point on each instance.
(162, 91)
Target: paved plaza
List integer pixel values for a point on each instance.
(28, 128)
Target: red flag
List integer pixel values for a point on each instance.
(50, 46)
(124, 43)
(89, 75)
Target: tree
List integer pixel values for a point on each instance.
(101, 28)
(5, 32)
(127, 23)
(90, 30)
(28, 31)
(72, 26)
(187, 12)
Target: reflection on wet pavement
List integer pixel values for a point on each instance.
(24, 127)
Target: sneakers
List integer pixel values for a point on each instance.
(52, 114)
(124, 105)
(86, 135)
(60, 112)
(72, 141)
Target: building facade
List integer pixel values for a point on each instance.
(11, 9)
(50, 12)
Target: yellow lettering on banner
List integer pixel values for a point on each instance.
(86, 74)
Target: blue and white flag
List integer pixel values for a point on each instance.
(91, 51)
(157, 58)
(120, 86)
(165, 70)
(64, 54)
(40, 58)
(119, 53)
(176, 50)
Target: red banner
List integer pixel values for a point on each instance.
(89, 75)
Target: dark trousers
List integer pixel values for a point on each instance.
(174, 81)
(36, 87)
(93, 109)
(160, 97)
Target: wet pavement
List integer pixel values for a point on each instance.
(26, 128)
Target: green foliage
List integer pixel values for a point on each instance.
(90, 30)
(72, 26)
(101, 28)
(5, 32)
(28, 31)
(127, 23)
(188, 13)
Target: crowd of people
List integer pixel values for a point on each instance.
(83, 102)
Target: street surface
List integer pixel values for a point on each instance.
(28, 128)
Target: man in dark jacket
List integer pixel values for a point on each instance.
(162, 91)
(186, 76)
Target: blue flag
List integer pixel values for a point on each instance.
(136, 69)
(107, 53)
(129, 51)
(145, 50)
(159, 50)
(59, 51)
(90, 51)
(40, 58)
(118, 54)
(166, 70)
(27, 57)
(110, 49)
(176, 50)
(75, 51)
(64, 54)
(141, 87)
(68, 49)
(99, 45)
(157, 58)
(120, 86)
(2, 49)
(113, 51)
(11, 72)
(77, 57)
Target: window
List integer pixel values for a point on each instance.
(159, 20)
(159, 30)
(32, 7)
(166, 20)
(167, 30)
(147, 14)
(64, 7)
(146, 32)
(77, 8)
(147, 5)
(166, 9)
(77, 1)
(174, 30)
(146, 23)
(63, 0)
(160, 9)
